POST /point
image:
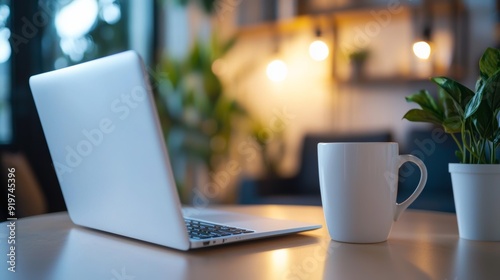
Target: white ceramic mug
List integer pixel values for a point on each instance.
(358, 183)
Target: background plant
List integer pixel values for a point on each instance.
(271, 146)
(359, 55)
(470, 117)
(197, 115)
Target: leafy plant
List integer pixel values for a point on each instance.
(207, 5)
(196, 114)
(359, 55)
(271, 146)
(470, 117)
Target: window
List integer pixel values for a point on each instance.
(5, 54)
(82, 30)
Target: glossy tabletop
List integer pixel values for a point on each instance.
(422, 245)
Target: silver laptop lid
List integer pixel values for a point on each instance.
(108, 150)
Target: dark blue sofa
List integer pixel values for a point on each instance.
(435, 149)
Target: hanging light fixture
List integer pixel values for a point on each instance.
(277, 69)
(318, 49)
(423, 48)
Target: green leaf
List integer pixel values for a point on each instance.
(473, 104)
(489, 63)
(483, 108)
(425, 100)
(208, 5)
(484, 122)
(491, 91)
(453, 124)
(459, 93)
(451, 109)
(479, 84)
(419, 115)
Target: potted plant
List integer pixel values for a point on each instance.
(472, 120)
(358, 60)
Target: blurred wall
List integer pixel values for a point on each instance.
(311, 99)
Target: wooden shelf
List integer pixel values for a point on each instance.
(310, 18)
(383, 81)
(280, 27)
(356, 6)
(336, 19)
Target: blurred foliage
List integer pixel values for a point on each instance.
(196, 114)
(359, 55)
(207, 5)
(271, 144)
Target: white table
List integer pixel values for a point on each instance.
(422, 245)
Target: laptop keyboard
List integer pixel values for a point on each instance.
(203, 230)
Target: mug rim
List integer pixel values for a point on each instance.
(357, 143)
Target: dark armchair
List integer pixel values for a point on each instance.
(436, 149)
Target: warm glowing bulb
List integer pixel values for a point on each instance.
(422, 49)
(318, 50)
(276, 70)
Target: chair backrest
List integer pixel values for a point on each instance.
(308, 171)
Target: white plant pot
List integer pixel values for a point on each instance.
(476, 190)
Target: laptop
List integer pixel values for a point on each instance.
(107, 147)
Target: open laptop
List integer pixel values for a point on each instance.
(108, 151)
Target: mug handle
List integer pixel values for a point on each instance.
(400, 207)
